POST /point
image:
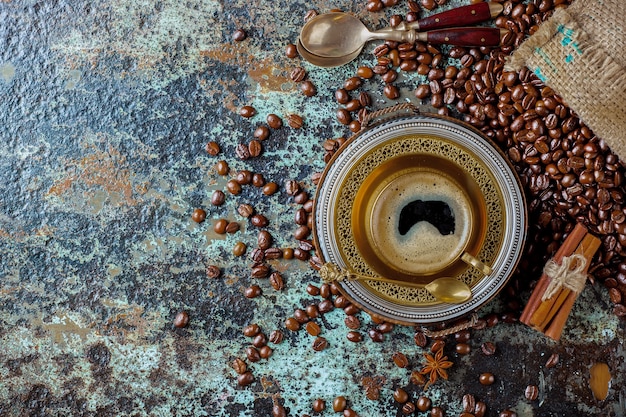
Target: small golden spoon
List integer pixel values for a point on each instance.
(444, 289)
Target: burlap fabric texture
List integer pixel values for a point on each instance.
(580, 53)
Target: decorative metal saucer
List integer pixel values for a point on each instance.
(405, 200)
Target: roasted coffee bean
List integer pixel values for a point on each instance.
(420, 339)
(400, 360)
(318, 405)
(258, 180)
(213, 271)
(291, 51)
(295, 121)
(308, 88)
(486, 378)
(391, 91)
(342, 96)
(270, 188)
(376, 336)
(364, 72)
(247, 111)
(198, 215)
(245, 379)
(252, 291)
(436, 411)
(400, 395)
(532, 392)
(276, 337)
(288, 253)
(259, 220)
(423, 403)
(463, 348)
(352, 83)
(344, 117)
(552, 361)
(292, 324)
(245, 210)
(273, 253)
(218, 198)
(239, 366)
(265, 352)
(480, 410)
(313, 328)
(274, 121)
(320, 344)
(507, 413)
(222, 167)
(313, 290)
(220, 226)
(348, 412)
(276, 281)
(181, 320)
(252, 354)
(251, 330)
(469, 403)
(488, 348)
(259, 340)
(239, 249)
(385, 327)
(297, 74)
(233, 187)
(212, 148)
(254, 148)
(239, 35)
(232, 227)
(260, 271)
(262, 132)
(278, 410)
(339, 404)
(408, 408)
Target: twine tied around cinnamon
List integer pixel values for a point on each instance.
(563, 276)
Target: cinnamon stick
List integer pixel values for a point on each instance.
(587, 248)
(567, 248)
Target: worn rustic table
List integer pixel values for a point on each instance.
(106, 110)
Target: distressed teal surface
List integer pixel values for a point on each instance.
(106, 109)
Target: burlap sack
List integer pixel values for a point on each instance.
(579, 52)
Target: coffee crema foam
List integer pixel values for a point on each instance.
(423, 249)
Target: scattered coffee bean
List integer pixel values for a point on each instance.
(245, 210)
(247, 111)
(488, 348)
(408, 408)
(486, 378)
(239, 366)
(222, 167)
(181, 320)
(276, 337)
(232, 227)
(239, 35)
(463, 348)
(251, 330)
(218, 198)
(252, 291)
(295, 121)
(423, 403)
(292, 324)
(239, 249)
(469, 403)
(320, 344)
(233, 187)
(400, 395)
(245, 379)
(198, 215)
(339, 404)
(400, 360)
(531, 393)
(436, 411)
(291, 51)
(213, 271)
(274, 121)
(259, 220)
(308, 89)
(270, 188)
(552, 361)
(276, 281)
(354, 337)
(313, 328)
(212, 148)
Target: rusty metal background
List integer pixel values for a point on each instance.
(106, 109)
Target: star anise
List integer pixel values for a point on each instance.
(435, 367)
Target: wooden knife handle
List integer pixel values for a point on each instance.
(471, 36)
(460, 16)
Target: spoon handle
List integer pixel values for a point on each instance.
(471, 36)
(460, 16)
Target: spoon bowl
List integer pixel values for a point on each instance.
(326, 62)
(341, 34)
